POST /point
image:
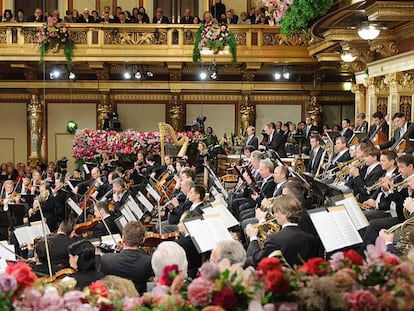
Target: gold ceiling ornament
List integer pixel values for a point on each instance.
(358, 88)
(384, 48)
(406, 80)
(356, 66)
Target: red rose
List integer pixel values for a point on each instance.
(168, 275)
(277, 282)
(315, 266)
(391, 260)
(269, 264)
(354, 257)
(23, 273)
(98, 288)
(226, 299)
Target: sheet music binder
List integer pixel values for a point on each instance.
(335, 228)
(351, 205)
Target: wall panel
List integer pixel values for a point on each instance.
(142, 117)
(82, 4)
(13, 132)
(272, 113)
(220, 117)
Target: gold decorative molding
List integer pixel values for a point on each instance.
(354, 67)
(391, 11)
(116, 36)
(176, 113)
(35, 127)
(406, 80)
(103, 108)
(358, 88)
(247, 113)
(141, 97)
(384, 48)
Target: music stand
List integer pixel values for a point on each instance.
(17, 213)
(28, 198)
(321, 191)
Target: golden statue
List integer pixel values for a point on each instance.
(104, 107)
(314, 111)
(35, 121)
(247, 114)
(176, 114)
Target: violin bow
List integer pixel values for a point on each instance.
(105, 224)
(49, 264)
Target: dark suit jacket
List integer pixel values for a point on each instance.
(84, 279)
(277, 144)
(253, 142)
(193, 257)
(120, 203)
(100, 229)
(164, 20)
(175, 215)
(318, 156)
(312, 129)
(360, 182)
(131, 264)
(183, 20)
(343, 158)
(295, 245)
(384, 128)
(348, 134)
(409, 133)
(217, 9)
(59, 254)
(362, 128)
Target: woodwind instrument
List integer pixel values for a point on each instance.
(253, 186)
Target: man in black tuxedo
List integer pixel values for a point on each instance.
(367, 176)
(361, 125)
(342, 152)
(403, 128)
(120, 194)
(60, 254)
(309, 128)
(346, 131)
(131, 263)
(251, 139)
(231, 18)
(379, 125)
(159, 18)
(294, 244)
(275, 141)
(101, 210)
(187, 18)
(196, 196)
(315, 155)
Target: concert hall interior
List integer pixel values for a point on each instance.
(268, 122)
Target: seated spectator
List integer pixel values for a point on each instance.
(107, 9)
(41, 267)
(169, 253)
(187, 18)
(95, 17)
(106, 19)
(196, 20)
(232, 250)
(7, 16)
(128, 17)
(20, 18)
(37, 16)
(144, 14)
(118, 287)
(159, 18)
(207, 18)
(140, 18)
(85, 17)
(69, 18)
(76, 15)
(230, 17)
(56, 16)
(243, 19)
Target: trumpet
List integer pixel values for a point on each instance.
(379, 183)
(345, 169)
(399, 186)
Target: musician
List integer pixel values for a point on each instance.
(61, 241)
(346, 130)
(131, 263)
(276, 141)
(40, 266)
(167, 170)
(200, 157)
(379, 125)
(49, 174)
(101, 210)
(361, 125)
(46, 202)
(403, 128)
(36, 180)
(95, 181)
(76, 175)
(295, 245)
(82, 260)
(61, 196)
(106, 162)
(342, 152)
(315, 155)
(251, 139)
(194, 259)
(309, 128)
(196, 196)
(152, 167)
(120, 194)
(379, 201)
(8, 194)
(367, 176)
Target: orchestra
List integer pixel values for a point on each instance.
(378, 174)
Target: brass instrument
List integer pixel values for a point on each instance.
(401, 235)
(265, 229)
(379, 183)
(298, 164)
(400, 185)
(345, 169)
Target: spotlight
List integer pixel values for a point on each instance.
(286, 75)
(150, 74)
(71, 75)
(368, 31)
(138, 75)
(203, 75)
(127, 75)
(277, 75)
(347, 56)
(54, 74)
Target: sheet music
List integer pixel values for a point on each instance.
(109, 240)
(144, 201)
(122, 221)
(70, 186)
(85, 168)
(355, 213)
(226, 216)
(74, 207)
(22, 235)
(334, 227)
(37, 228)
(134, 208)
(153, 193)
(7, 251)
(126, 212)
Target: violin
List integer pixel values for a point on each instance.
(154, 239)
(87, 226)
(88, 201)
(58, 275)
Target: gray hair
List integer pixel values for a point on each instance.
(256, 155)
(268, 164)
(232, 250)
(166, 254)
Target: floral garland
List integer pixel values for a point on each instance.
(214, 37)
(54, 35)
(346, 282)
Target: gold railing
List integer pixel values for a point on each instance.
(165, 42)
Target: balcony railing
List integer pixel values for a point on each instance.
(153, 42)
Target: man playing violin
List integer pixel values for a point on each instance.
(61, 241)
(25, 187)
(120, 194)
(101, 210)
(46, 202)
(95, 181)
(8, 194)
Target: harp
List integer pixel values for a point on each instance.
(182, 142)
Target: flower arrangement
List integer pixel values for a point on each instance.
(346, 282)
(214, 37)
(231, 144)
(55, 35)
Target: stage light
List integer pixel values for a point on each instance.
(54, 74)
(71, 126)
(203, 75)
(348, 57)
(71, 75)
(138, 75)
(286, 75)
(127, 75)
(368, 31)
(150, 74)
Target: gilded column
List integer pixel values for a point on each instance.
(104, 107)
(314, 111)
(247, 116)
(35, 121)
(176, 113)
(360, 100)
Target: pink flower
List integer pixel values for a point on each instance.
(50, 300)
(199, 291)
(209, 271)
(362, 300)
